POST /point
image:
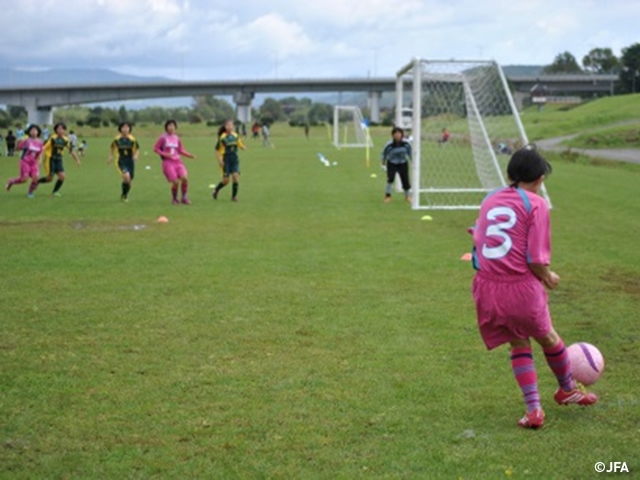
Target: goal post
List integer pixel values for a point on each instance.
(465, 126)
(349, 128)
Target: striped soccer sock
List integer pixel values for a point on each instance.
(525, 372)
(558, 360)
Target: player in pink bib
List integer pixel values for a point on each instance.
(32, 148)
(170, 149)
(512, 254)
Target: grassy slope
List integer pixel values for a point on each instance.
(554, 122)
(308, 331)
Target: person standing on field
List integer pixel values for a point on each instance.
(227, 152)
(125, 148)
(11, 143)
(32, 149)
(170, 149)
(53, 150)
(512, 254)
(395, 156)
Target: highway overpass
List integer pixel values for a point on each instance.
(40, 100)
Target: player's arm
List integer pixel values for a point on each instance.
(220, 152)
(545, 275)
(48, 148)
(183, 152)
(136, 149)
(384, 154)
(539, 246)
(159, 147)
(241, 143)
(74, 155)
(112, 151)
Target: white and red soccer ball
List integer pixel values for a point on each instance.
(587, 362)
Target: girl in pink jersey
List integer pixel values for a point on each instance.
(512, 254)
(170, 148)
(32, 149)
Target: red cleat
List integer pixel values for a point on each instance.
(534, 419)
(578, 396)
(186, 201)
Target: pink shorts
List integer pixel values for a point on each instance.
(173, 170)
(29, 169)
(510, 308)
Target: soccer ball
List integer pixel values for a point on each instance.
(587, 362)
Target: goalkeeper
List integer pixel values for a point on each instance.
(396, 155)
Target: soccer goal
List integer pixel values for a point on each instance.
(465, 127)
(349, 128)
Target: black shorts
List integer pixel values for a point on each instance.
(53, 166)
(126, 165)
(401, 169)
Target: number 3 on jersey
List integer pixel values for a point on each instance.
(499, 230)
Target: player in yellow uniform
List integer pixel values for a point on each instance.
(227, 152)
(53, 150)
(125, 148)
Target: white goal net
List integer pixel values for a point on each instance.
(465, 127)
(349, 128)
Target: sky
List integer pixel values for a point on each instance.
(254, 39)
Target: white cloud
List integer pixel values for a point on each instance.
(255, 38)
(269, 34)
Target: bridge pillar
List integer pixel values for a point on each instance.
(41, 115)
(374, 103)
(243, 105)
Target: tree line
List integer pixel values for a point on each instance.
(603, 60)
(205, 109)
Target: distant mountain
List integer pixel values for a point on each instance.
(72, 76)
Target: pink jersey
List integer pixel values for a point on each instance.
(512, 231)
(31, 148)
(169, 147)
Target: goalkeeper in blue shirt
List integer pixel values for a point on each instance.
(396, 155)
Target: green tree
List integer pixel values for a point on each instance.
(320, 113)
(17, 112)
(630, 69)
(271, 109)
(5, 119)
(563, 63)
(601, 60)
(123, 115)
(211, 108)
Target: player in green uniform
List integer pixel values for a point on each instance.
(125, 148)
(53, 150)
(227, 152)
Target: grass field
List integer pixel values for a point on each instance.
(308, 331)
(626, 136)
(555, 120)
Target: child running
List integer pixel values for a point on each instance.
(227, 152)
(32, 149)
(125, 148)
(53, 149)
(512, 254)
(170, 148)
